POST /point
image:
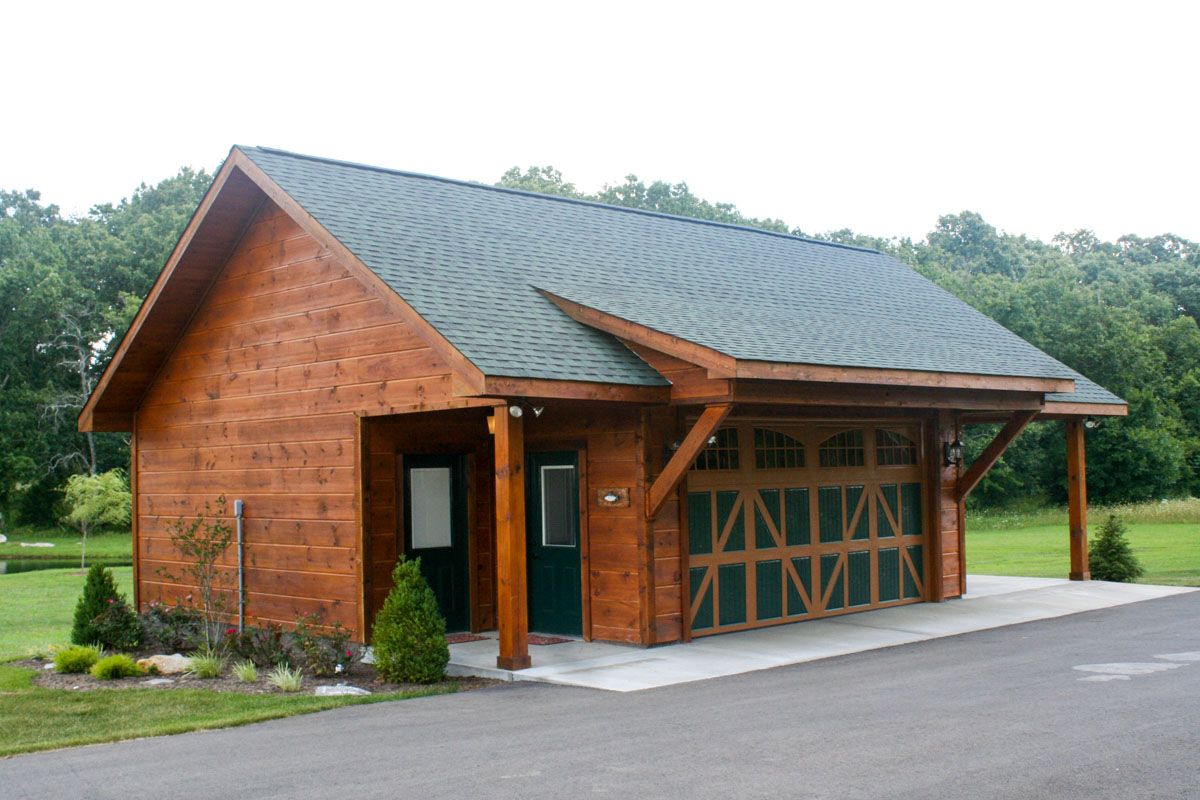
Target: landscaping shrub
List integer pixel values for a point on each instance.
(99, 591)
(264, 646)
(172, 629)
(117, 627)
(76, 659)
(286, 679)
(245, 671)
(117, 666)
(323, 653)
(1110, 558)
(410, 634)
(206, 664)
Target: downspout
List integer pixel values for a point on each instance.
(238, 510)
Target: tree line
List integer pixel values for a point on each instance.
(1123, 313)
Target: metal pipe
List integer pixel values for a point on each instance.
(238, 509)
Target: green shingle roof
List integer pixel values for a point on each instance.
(470, 259)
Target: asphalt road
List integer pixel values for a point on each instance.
(995, 714)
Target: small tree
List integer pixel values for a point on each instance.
(99, 592)
(202, 541)
(1110, 558)
(94, 501)
(409, 637)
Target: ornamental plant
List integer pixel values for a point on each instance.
(116, 666)
(1110, 557)
(94, 501)
(117, 627)
(410, 633)
(99, 592)
(202, 540)
(76, 659)
(324, 653)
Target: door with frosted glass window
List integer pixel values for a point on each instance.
(435, 530)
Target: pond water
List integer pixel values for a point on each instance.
(30, 564)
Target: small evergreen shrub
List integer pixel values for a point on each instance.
(206, 664)
(286, 679)
(117, 627)
(245, 671)
(324, 653)
(76, 659)
(117, 666)
(1110, 558)
(264, 646)
(410, 634)
(172, 629)
(99, 591)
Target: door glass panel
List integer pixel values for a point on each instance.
(430, 489)
(558, 506)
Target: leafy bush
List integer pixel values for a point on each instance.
(324, 653)
(206, 664)
(285, 678)
(117, 627)
(117, 666)
(245, 671)
(76, 659)
(410, 634)
(171, 628)
(1110, 558)
(99, 591)
(201, 541)
(264, 646)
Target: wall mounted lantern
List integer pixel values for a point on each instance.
(952, 452)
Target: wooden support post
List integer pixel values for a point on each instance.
(1077, 500)
(681, 460)
(512, 596)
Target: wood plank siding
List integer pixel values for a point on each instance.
(260, 400)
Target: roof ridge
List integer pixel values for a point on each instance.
(559, 198)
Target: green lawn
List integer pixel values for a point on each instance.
(36, 607)
(33, 718)
(105, 546)
(1169, 551)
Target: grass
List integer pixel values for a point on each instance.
(33, 718)
(104, 546)
(1165, 537)
(36, 607)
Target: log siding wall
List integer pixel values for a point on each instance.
(260, 400)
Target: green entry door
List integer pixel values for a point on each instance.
(552, 511)
(435, 530)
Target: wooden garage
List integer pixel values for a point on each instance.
(585, 420)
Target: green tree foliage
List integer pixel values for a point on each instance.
(97, 501)
(409, 637)
(1110, 558)
(99, 592)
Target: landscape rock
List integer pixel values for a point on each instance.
(339, 690)
(36, 544)
(159, 681)
(48, 666)
(166, 665)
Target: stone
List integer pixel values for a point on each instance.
(3, 538)
(36, 544)
(368, 655)
(339, 690)
(48, 666)
(166, 665)
(159, 681)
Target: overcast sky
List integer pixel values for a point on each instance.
(874, 116)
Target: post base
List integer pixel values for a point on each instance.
(1080, 576)
(513, 662)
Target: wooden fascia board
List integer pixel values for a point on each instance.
(87, 416)
(494, 386)
(991, 454)
(769, 370)
(1060, 410)
(683, 458)
(718, 364)
(464, 370)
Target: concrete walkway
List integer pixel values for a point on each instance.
(990, 602)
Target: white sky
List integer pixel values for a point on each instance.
(876, 116)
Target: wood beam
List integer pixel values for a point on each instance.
(1059, 410)
(991, 454)
(770, 370)
(1077, 500)
(568, 390)
(683, 458)
(512, 593)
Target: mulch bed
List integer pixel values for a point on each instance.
(361, 675)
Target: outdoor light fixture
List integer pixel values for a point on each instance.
(1091, 423)
(712, 439)
(611, 496)
(537, 410)
(953, 452)
(515, 411)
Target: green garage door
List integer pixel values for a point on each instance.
(788, 522)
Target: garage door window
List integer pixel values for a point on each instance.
(843, 449)
(722, 453)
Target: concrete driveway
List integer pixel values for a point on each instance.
(1104, 704)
